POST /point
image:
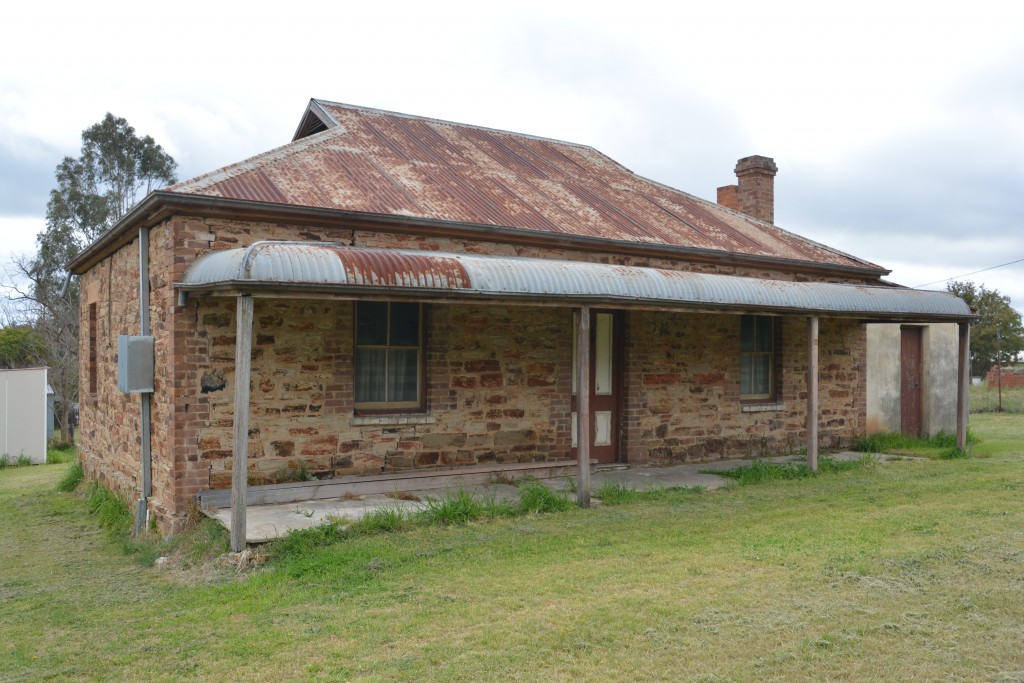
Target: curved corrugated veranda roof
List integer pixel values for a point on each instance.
(282, 267)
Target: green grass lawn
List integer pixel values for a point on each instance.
(909, 570)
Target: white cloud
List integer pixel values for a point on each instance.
(897, 124)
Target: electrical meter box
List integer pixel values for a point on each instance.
(134, 364)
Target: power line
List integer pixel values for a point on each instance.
(947, 279)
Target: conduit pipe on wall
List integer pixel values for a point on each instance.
(145, 397)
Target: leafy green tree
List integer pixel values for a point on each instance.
(998, 335)
(21, 347)
(94, 191)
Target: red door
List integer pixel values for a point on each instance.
(910, 381)
(605, 386)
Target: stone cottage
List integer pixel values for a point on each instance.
(389, 293)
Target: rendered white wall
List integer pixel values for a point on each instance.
(941, 348)
(883, 378)
(938, 373)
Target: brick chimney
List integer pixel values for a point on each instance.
(755, 193)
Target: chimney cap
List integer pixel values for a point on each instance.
(756, 164)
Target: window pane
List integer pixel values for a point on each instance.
(760, 374)
(763, 338)
(405, 324)
(746, 377)
(747, 333)
(403, 374)
(372, 323)
(370, 375)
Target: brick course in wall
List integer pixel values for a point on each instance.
(1011, 377)
(497, 377)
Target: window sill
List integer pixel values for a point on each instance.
(376, 420)
(774, 406)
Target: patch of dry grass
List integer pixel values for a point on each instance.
(906, 571)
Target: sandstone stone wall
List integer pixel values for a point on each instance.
(682, 396)
(109, 438)
(497, 378)
(497, 384)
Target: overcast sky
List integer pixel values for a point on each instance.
(897, 126)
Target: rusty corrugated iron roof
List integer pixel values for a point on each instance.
(281, 267)
(384, 163)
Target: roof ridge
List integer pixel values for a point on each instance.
(209, 178)
(446, 122)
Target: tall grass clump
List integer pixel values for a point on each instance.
(59, 443)
(60, 450)
(111, 511)
(455, 507)
(71, 479)
(20, 461)
(760, 471)
(613, 493)
(536, 497)
(386, 519)
(493, 506)
(300, 542)
(894, 442)
(203, 538)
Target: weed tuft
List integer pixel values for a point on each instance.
(60, 450)
(536, 497)
(299, 472)
(59, 443)
(896, 443)
(493, 507)
(202, 539)
(110, 510)
(71, 479)
(20, 461)
(385, 519)
(761, 471)
(613, 493)
(455, 507)
(298, 542)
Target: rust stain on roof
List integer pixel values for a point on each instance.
(385, 268)
(393, 164)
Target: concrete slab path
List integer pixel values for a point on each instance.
(267, 522)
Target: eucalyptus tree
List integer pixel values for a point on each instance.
(115, 169)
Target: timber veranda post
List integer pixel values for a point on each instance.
(240, 456)
(812, 393)
(583, 406)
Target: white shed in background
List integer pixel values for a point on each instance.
(50, 417)
(23, 414)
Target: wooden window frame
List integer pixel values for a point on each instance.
(774, 362)
(93, 351)
(391, 407)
